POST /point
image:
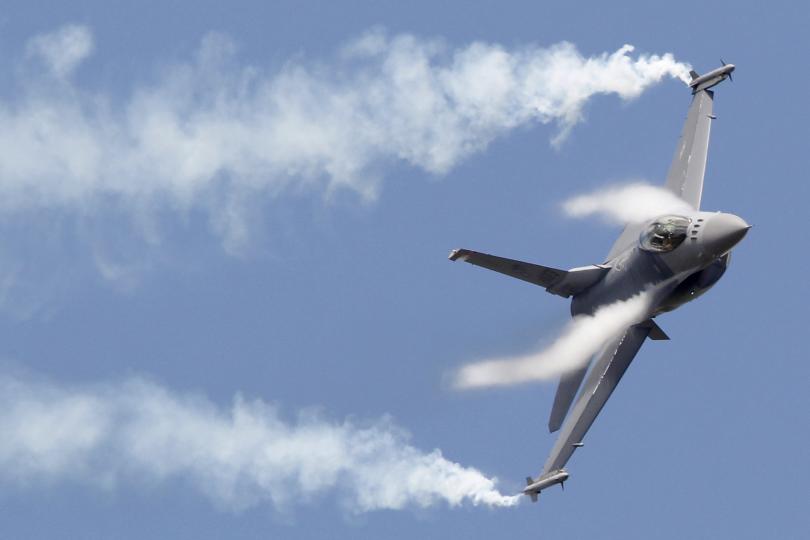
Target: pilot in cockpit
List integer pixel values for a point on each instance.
(665, 234)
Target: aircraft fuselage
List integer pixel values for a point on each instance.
(673, 277)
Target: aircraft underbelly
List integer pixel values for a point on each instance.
(695, 285)
(630, 274)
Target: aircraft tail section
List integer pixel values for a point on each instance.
(560, 282)
(566, 391)
(571, 382)
(579, 279)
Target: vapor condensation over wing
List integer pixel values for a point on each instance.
(629, 203)
(577, 343)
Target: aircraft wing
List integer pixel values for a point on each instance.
(605, 375)
(685, 177)
(570, 382)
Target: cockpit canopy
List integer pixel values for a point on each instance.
(665, 234)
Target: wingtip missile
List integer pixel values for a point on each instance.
(534, 487)
(712, 78)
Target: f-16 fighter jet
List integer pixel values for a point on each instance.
(675, 258)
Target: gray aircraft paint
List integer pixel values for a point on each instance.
(669, 278)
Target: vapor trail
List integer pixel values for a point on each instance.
(629, 203)
(140, 432)
(580, 340)
(213, 133)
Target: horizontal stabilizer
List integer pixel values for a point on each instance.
(693, 74)
(559, 282)
(566, 391)
(608, 368)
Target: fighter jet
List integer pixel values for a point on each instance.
(675, 258)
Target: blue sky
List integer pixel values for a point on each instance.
(342, 301)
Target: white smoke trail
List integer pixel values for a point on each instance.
(580, 340)
(241, 457)
(630, 203)
(63, 50)
(212, 134)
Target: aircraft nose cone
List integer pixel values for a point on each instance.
(724, 231)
